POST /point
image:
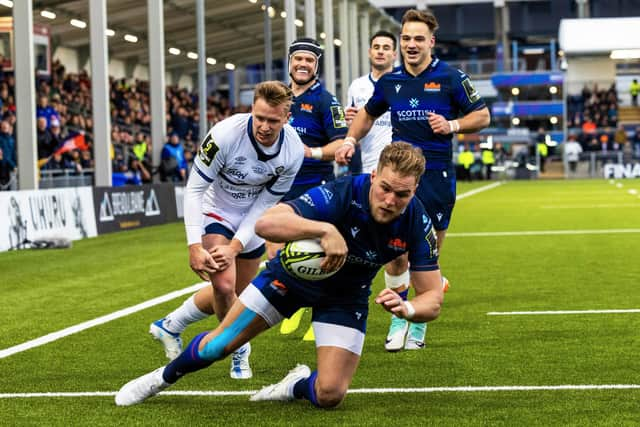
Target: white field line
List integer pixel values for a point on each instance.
(544, 232)
(460, 389)
(479, 190)
(45, 339)
(524, 313)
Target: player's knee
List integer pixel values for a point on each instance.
(225, 288)
(329, 395)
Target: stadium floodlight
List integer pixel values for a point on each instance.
(131, 38)
(109, 32)
(47, 14)
(229, 66)
(253, 1)
(299, 23)
(211, 61)
(174, 51)
(553, 90)
(283, 14)
(515, 121)
(323, 35)
(6, 3)
(553, 120)
(625, 54)
(78, 23)
(515, 91)
(337, 42)
(192, 55)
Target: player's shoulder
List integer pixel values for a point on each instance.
(232, 126)
(362, 81)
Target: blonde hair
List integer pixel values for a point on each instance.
(403, 158)
(424, 16)
(274, 93)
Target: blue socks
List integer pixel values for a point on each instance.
(188, 361)
(307, 389)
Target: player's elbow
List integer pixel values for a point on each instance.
(485, 118)
(264, 226)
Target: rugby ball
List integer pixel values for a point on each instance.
(302, 259)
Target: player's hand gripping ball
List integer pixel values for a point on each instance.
(302, 259)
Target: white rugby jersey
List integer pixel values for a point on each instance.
(236, 178)
(379, 136)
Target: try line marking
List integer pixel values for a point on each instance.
(461, 389)
(519, 313)
(479, 190)
(544, 232)
(45, 339)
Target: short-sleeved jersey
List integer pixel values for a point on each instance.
(379, 135)
(239, 168)
(318, 118)
(345, 203)
(440, 89)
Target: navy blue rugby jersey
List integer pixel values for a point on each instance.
(318, 118)
(345, 203)
(440, 89)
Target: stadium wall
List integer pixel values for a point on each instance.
(82, 212)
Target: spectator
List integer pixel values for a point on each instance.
(173, 166)
(465, 160)
(47, 111)
(46, 143)
(5, 172)
(57, 164)
(636, 142)
(7, 143)
(572, 151)
(619, 138)
(634, 88)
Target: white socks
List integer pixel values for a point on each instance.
(183, 316)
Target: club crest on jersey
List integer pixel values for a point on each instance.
(398, 87)
(413, 102)
(208, 150)
(397, 244)
(337, 114)
(432, 87)
(307, 108)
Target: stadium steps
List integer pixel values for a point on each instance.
(629, 115)
(554, 169)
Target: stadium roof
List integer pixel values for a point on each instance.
(234, 28)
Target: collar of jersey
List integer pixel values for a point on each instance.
(262, 156)
(432, 65)
(313, 88)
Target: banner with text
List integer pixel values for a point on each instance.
(31, 215)
(123, 208)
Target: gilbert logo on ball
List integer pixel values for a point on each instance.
(302, 259)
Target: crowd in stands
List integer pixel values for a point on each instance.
(593, 108)
(65, 127)
(593, 118)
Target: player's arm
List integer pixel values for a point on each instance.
(201, 262)
(361, 125)
(205, 169)
(425, 306)
(470, 123)
(281, 223)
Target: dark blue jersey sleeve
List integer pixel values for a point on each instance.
(335, 123)
(323, 203)
(377, 104)
(423, 251)
(465, 94)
